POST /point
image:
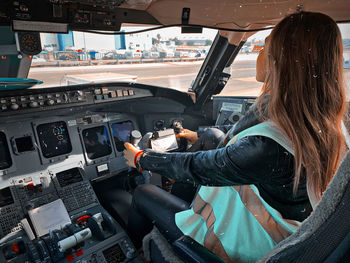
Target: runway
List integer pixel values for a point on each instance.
(176, 75)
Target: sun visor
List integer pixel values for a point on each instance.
(234, 38)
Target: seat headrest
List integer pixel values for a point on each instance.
(330, 201)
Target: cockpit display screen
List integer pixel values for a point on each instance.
(121, 133)
(54, 139)
(24, 144)
(68, 177)
(6, 197)
(5, 157)
(97, 142)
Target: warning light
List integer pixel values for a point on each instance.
(79, 253)
(30, 186)
(83, 219)
(70, 258)
(15, 248)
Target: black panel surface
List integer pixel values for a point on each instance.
(97, 142)
(6, 197)
(5, 157)
(24, 144)
(121, 132)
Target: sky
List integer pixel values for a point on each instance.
(210, 33)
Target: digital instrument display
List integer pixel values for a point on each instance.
(5, 157)
(29, 42)
(6, 197)
(68, 177)
(54, 139)
(24, 144)
(97, 142)
(121, 132)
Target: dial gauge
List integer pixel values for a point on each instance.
(29, 43)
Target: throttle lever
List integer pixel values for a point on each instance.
(135, 138)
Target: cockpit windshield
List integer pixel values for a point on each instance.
(164, 57)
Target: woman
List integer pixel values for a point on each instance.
(263, 171)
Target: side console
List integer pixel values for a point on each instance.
(57, 218)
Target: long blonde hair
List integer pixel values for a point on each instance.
(306, 94)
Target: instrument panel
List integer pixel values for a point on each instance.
(44, 128)
(35, 100)
(53, 144)
(94, 141)
(47, 158)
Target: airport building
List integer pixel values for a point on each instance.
(89, 41)
(139, 41)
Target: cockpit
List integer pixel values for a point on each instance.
(79, 79)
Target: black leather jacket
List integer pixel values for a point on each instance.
(254, 160)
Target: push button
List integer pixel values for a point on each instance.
(70, 258)
(79, 253)
(33, 104)
(15, 248)
(14, 106)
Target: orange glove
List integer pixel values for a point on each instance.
(129, 154)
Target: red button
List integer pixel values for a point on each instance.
(15, 248)
(30, 186)
(70, 258)
(79, 253)
(83, 219)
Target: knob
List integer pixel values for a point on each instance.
(50, 102)
(14, 106)
(79, 93)
(136, 137)
(33, 104)
(130, 253)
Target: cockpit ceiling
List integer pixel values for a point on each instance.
(236, 14)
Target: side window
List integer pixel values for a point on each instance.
(243, 82)
(345, 31)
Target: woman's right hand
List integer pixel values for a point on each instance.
(191, 136)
